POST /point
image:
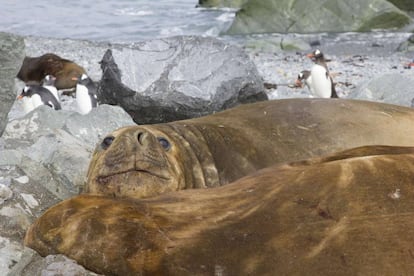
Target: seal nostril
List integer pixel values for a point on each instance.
(107, 141)
(140, 137)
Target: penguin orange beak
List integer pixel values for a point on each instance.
(310, 55)
(20, 97)
(75, 78)
(298, 83)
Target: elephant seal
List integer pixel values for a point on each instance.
(345, 214)
(143, 161)
(34, 69)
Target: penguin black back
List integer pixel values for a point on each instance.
(46, 97)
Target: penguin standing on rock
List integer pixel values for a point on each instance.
(322, 82)
(86, 98)
(36, 95)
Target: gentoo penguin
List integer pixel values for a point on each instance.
(322, 82)
(305, 77)
(36, 95)
(86, 98)
(34, 69)
(49, 84)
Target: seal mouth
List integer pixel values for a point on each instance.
(104, 179)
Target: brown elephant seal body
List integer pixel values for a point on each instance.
(351, 213)
(34, 69)
(218, 149)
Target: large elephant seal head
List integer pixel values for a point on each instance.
(143, 161)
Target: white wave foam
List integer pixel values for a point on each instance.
(133, 12)
(171, 31)
(226, 17)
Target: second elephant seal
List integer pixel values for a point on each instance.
(143, 161)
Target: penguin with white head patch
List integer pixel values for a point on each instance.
(321, 82)
(49, 83)
(86, 98)
(36, 95)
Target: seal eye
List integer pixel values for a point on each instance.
(164, 143)
(107, 141)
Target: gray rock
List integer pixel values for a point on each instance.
(32, 264)
(55, 147)
(177, 78)
(10, 253)
(44, 121)
(309, 16)
(389, 88)
(407, 46)
(43, 159)
(11, 56)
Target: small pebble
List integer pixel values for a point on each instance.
(22, 179)
(30, 200)
(5, 193)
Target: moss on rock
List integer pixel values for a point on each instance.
(309, 16)
(405, 5)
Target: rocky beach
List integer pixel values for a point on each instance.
(44, 155)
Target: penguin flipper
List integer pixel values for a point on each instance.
(49, 103)
(333, 90)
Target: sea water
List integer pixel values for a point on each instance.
(111, 20)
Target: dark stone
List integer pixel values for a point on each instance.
(221, 3)
(407, 5)
(178, 78)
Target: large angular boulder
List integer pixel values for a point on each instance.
(53, 148)
(11, 56)
(178, 78)
(388, 88)
(406, 5)
(309, 16)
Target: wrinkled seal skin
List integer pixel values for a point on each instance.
(34, 69)
(218, 149)
(351, 213)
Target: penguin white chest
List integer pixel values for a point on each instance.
(309, 85)
(321, 82)
(36, 100)
(27, 104)
(83, 99)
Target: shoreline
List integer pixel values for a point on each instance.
(356, 59)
